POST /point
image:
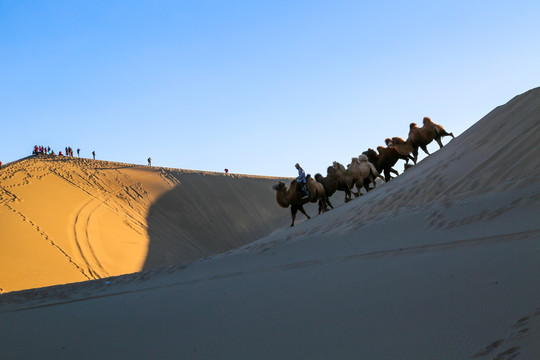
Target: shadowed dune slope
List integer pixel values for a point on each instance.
(209, 214)
(66, 220)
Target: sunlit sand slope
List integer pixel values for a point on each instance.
(66, 220)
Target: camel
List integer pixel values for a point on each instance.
(363, 173)
(383, 160)
(290, 197)
(438, 129)
(404, 148)
(330, 185)
(421, 137)
(345, 181)
(317, 193)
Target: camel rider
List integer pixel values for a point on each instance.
(301, 186)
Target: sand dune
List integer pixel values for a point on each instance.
(68, 220)
(441, 263)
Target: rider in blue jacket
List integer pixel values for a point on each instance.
(301, 182)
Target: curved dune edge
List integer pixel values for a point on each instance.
(441, 262)
(68, 220)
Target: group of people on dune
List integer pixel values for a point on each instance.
(360, 173)
(46, 150)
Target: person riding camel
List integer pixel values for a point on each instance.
(301, 186)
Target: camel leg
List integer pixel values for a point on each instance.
(347, 195)
(412, 158)
(359, 186)
(424, 147)
(322, 205)
(415, 155)
(301, 208)
(405, 157)
(294, 209)
(370, 180)
(373, 181)
(329, 203)
(387, 176)
(445, 133)
(356, 194)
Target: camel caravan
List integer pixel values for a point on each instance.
(362, 172)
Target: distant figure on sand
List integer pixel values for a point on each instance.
(226, 171)
(78, 153)
(94, 154)
(149, 161)
(0, 165)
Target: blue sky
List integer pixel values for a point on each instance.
(253, 86)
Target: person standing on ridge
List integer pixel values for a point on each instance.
(94, 154)
(78, 153)
(149, 161)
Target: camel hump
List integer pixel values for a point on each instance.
(380, 148)
(362, 158)
(413, 126)
(398, 140)
(330, 170)
(427, 120)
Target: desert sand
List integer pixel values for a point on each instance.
(67, 220)
(442, 262)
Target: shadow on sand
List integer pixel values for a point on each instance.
(207, 214)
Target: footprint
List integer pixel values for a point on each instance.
(521, 322)
(520, 334)
(508, 354)
(488, 348)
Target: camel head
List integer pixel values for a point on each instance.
(280, 186)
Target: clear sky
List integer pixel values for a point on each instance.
(253, 86)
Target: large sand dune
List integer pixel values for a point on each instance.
(67, 220)
(441, 263)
